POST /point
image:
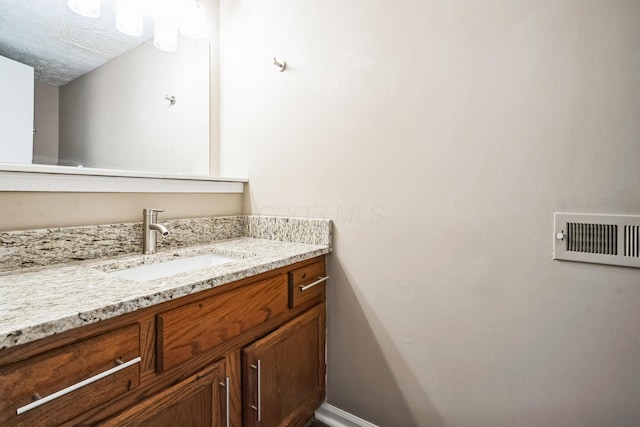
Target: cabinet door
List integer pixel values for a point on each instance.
(284, 373)
(198, 401)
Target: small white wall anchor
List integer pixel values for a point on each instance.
(281, 65)
(171, 99)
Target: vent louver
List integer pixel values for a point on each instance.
(600, 239)
(592, 238)
(631, 241)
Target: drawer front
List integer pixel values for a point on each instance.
(306, 283)
(60, 384)
(200, 326)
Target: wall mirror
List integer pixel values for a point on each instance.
(100, 98)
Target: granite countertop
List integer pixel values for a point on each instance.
(41, 301)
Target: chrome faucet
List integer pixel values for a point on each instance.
(149, 229)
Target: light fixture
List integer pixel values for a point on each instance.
(88, 8)
(129, 17)
(165, 35)
(168, 16)
(162, 9)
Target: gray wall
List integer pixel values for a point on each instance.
(46, 122)
(117, 117)
(441, 137)
(28, 211)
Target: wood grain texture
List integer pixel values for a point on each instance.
(303, 276)
(57, 369)
(194, 402)
(198, 327)
(147, 344)
(292, 372)
(115, 394)
(21, 352)
(234, 371)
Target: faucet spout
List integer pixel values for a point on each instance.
(149, 228)
(164, 232)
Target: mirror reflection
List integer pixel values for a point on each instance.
(78, 92)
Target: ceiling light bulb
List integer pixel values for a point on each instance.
(165, 36)
(88, 8)
(129, 18)
(192, 22)
(162, 9)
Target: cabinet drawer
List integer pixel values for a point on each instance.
(200, 326)
(60, 384)
(306, 283)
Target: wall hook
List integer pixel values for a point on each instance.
(171, 99)
(280, 65)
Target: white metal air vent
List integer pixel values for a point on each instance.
(600, 239)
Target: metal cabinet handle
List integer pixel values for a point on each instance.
(225, 384)
(76, 386)
(258, 408)
(311, 285)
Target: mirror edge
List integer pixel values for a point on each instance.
(44, 178)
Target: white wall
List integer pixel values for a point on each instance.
(46, 119)
(16, 111)
(116, 115)
(441, 137)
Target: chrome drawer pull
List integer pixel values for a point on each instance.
(76, 386)
(311, 285)
(258, 408)
(259, 394)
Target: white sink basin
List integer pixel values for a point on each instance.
(169, 268)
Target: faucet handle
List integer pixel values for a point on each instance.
(151, 211)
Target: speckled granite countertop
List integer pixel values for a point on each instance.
(40, 301)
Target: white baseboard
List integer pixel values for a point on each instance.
(336, 417)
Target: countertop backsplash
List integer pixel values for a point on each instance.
(50, 246)
(54, 280)
(286, 229)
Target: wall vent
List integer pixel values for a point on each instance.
(631, 241)
(600, 239)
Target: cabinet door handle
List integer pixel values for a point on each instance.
(258, 408)
(225, 384)
(311, 285)
(76, 386)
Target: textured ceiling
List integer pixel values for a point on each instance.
(58, 43)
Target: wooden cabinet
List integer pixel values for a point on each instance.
(201, 326)
(208, 359)
(57, 385)
(284, 373)
(306, 283)
(194, 402)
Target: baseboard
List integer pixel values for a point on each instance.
(336, 417)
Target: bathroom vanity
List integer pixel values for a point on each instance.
(239, 344)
